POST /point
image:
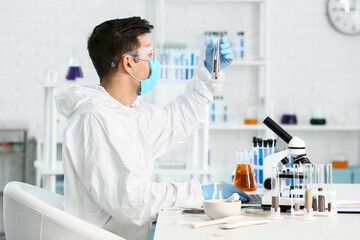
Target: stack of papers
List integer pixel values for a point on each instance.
(348, 206)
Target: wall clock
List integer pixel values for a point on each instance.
(344, 16)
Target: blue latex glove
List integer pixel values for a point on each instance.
(226, 55)
(228, 191)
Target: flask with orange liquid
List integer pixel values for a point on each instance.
(244, 174)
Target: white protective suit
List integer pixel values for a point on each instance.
(109, 151)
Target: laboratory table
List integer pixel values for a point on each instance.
(172, 224)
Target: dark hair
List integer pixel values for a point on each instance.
(113, 38)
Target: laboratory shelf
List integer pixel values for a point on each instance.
(321, 128)
(59, 84)
(12, 154)
(227, 1)
(325, 128)
(66, 83)
(238, 62)
(248, 63)
(159, 171)
(172, 82)
(231, 126)
(46, 170)
(58, 170)
(164, 66)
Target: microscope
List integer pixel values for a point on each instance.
(294, 147)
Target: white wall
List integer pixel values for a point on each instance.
(309, 61)
(312, 61)
(314, 64)
(40, 35)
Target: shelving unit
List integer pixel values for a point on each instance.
(48, 167)
(258, 64)
(13, 134)
(248, 63)
(13, 158)
(58, 170)
(201, 143)
(325, 128)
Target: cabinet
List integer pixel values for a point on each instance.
(13, 157)
(347, 175)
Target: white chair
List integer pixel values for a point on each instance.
(34, 213)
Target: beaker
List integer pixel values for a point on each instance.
(218, 192)
(244, 175)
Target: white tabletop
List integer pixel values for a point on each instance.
(172, 224)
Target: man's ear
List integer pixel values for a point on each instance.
(127, 63)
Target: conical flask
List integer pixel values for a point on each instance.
(74, 70)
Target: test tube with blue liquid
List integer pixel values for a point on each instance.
(260, 159)
(240, 45)
(291, 164)
(255, 158)
(266, 149)
(271, 150)
(192, 64)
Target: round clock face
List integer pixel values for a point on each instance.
(344, 15)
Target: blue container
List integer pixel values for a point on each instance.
(343, 175)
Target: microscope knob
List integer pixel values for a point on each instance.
(267, 184)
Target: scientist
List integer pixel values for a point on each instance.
(111, 140)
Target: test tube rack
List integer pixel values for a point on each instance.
(329, 203)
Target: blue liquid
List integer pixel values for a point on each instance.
(213, 112)
(192, 64)
(255, 163)
(255, 159)
(260, 151)
(74, 72)
(292, 167)
(256, 175)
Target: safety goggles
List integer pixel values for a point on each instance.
(144, 55)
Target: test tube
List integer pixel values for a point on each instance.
(216, 66)
(307, 185)
(266, 149)
(315, 183)
(329, 183)
(329, 177)
(275, 188)
(296, 187)
(270, 151)
(321, 197)
(260, 160)
(255, 159)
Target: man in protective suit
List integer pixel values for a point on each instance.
(111, 140)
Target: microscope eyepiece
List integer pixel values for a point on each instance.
(277, 129)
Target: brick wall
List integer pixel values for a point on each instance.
(310, 62)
